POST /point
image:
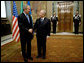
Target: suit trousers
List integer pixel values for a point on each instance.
(54, 27)
(76, 26)
(26, 52)
(41, 45)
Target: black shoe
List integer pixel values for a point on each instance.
(44, 57)
(25, 60)
(30, 58)
(38, 56)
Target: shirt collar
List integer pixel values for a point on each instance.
(43, 18)
(25, 13)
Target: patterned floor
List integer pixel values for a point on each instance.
(60, 48)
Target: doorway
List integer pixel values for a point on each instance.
(65, 16)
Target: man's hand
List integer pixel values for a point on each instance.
(30, 30)
(57, 23)
(79, 24)
(48, 37)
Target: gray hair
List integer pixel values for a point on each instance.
(25, 6)
(44, 12)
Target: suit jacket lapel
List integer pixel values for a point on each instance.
(44, 21)
(25, 18)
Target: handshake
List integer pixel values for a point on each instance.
(30, 30)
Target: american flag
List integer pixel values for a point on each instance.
(15, 27)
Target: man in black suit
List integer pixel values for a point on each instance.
(54, 21)
(26, 32)
(42, 27)
(77, 22)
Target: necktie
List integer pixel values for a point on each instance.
(28, 18)
(41, 21)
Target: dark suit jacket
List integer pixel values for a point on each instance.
(24, 26)
(77, 21)
(42, 29)
(54, 20)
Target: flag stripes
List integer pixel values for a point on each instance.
(15, 27)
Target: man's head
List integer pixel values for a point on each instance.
(42, 13)
(26, 8)
(77, 12)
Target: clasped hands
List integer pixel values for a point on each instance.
(30, 30)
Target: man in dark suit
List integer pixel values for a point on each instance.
(54, 21)
(42, 27)
(26, 32)
(77, 22)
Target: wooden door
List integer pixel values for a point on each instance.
(65, 16)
